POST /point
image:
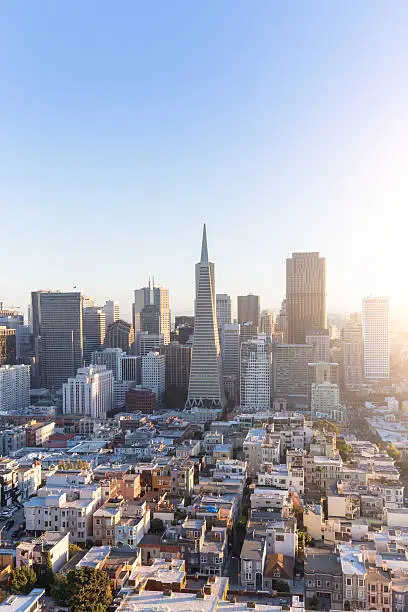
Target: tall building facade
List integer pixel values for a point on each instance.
(14, 387)
(290, 371)
(325, 402)
(7, 346)
(150, 319)
(320, 340)
(146, 343)
(178, 363)
(320, 373)
(154, 296)
(305, 295)
(119, 335)
(109, 357)
(281, 326)
(205, 385)
(111, 310)
(267, 322)
(230, 335)
(255, 378)
(94, 330)
(61, 336)
(249, 309)
(154, 374)
(376, 337)
(90, 393)
(352, 351)
(223, 302)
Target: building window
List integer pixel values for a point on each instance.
(348, 581)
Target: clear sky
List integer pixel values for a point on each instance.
(125, 125)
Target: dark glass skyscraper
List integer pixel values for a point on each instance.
(305, 295)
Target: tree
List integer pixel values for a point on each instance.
(281, 586)
(83, 589)
(23, 580)
(304, 539)
(44, 573)
(73, 549)
(393, 452)
(344, 449)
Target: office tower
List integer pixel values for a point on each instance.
(156, 296)
(88, 301)
(255, 377)
(154, 374)
(178, 362)
(352, 351)
(109, 357)
(111, 310)
(267, 322)
(129, 368)
(162, 301)
(205, 385)
(223, 303)
(290, 366)
(248, 331)
(94, 330)
(249, 309)
(281, 326)
(14, 387)
(24, 345)
(89, 393)
(325, 403)
(119, 335)
(230, 349)
(320, 340)
(305, 295)
(376, 337)
(146, 343)
(61, 336)
(319, 373)
(150, 319)
(7, 346)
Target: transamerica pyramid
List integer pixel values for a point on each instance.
(205, 386)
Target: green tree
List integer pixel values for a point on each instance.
(304, 539)
(281, 586)
(393, 452)
(73, 549)
(344, 449)
(83, 589)
(23, 579)
(44, 573)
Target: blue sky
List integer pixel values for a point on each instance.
(124, 126)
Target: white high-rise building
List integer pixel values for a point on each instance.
(111, 309)
(320, 340)
(145, 343)
(14, 387)
(223, 302)
(90, 393)
(376, 337)
(109, 357)
(255, 379)
(325, 400)
(154, 374)
(205, 386)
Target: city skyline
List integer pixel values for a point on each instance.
(266, 117)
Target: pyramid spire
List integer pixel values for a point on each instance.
(204, 247)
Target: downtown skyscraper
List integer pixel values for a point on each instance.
(305, 295)
(205, 385)
(376, 337)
